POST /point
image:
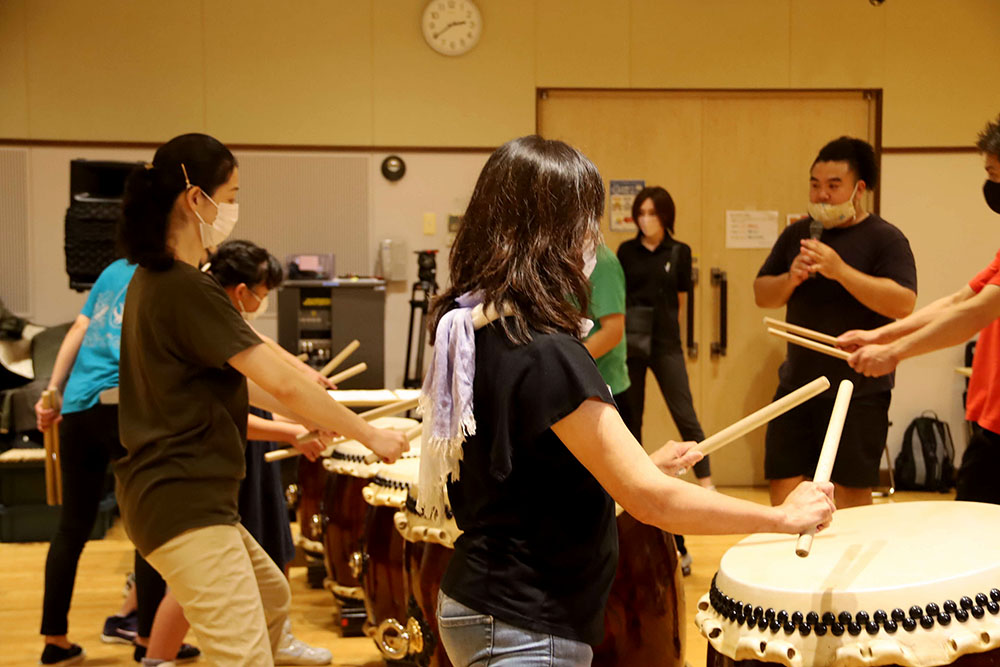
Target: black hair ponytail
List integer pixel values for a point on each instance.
(151, 190)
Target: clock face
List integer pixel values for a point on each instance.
(452, 27)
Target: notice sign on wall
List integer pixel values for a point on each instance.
(621, 194)
(751, 229)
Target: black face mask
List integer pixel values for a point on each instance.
(991, 190)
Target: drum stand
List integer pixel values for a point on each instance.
(420, 299)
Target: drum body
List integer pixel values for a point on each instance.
(644, 617)
(344, 511)
(384, 581)
(914, 584)
(312, 481)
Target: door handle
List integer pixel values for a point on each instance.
(720, 279)
(692, 344)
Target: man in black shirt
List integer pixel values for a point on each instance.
(852, 271)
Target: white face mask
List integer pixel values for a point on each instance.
(250, 316)
(225, 219)
(220, 229)
(833, 215)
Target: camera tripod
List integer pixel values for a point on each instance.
(420, 300)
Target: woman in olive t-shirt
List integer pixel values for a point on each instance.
(186, 354)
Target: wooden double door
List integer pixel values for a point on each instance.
(714, 152)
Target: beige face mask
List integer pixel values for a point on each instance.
(833, 215)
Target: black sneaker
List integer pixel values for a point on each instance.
(120, 629)
(186, 653)
(56, 655)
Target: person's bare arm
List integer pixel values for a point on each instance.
(855, 338)
(775, 291)
(259, 428)
(607, 337)
(952, 326)
(65, 359)
(596, 435)
(297, 363)
(301, 396)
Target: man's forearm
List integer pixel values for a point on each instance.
(773, 291)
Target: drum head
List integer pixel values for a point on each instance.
(391, 483)
(907, 583)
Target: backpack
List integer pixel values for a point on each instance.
(926, 460)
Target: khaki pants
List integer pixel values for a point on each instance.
(232, 593)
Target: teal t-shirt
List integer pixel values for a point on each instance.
(607, 297)
(96, 365)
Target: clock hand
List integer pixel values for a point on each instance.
(449, 27)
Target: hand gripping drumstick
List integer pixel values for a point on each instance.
(800, 331)
(348, 373)
(339, 359)
(810, 344)
(762, 416)
(409, 435)
(828, 454)
(383, 411)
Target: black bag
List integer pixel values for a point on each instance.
(926, 461)
(639, 332)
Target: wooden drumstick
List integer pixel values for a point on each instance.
(348, 373)
(410, 435)
(762, 416)
(383, 411)
(810, 344)
(302, 357)
(801, 331)
(828, 454)
(368, 415)
(53, 476)
(339, 359)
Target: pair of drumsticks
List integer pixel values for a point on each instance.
(375, 413)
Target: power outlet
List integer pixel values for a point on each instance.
(430, 224)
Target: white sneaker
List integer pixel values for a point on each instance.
(293, 651)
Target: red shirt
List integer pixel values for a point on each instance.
(983, 402)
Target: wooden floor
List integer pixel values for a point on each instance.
(104, 564)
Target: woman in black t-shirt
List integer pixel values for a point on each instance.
(657, 271)
(186, 355)
(523, 429)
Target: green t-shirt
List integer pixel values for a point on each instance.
(607, 297)
(182, 411)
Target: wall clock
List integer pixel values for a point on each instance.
(452, 27)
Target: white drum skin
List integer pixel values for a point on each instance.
(914, 584)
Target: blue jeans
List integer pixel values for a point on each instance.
(472, 639)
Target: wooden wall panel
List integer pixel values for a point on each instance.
(13, 70)
(115, 69)
(582, 43)
(942, 71)
(300, 74)
(855, 57)
(709, 44)
(482, 98)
